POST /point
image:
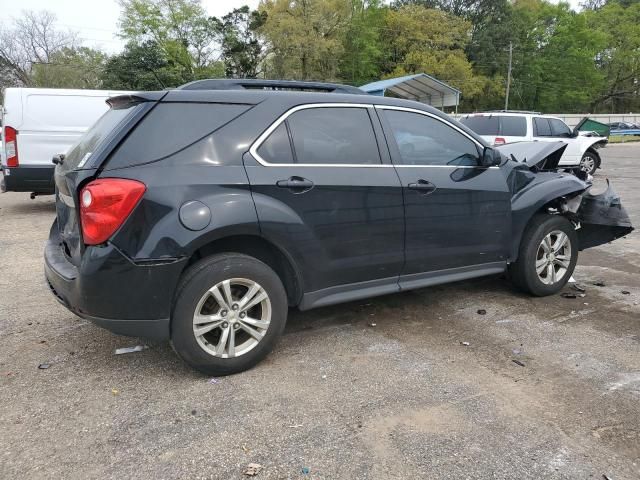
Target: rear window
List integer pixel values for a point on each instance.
(497, 125)
(79, 153)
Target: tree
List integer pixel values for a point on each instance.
(30, 39)
(305, 38)
(362, 42)
(79, 67)
(619, 59)
(242, 49)
(179, 28)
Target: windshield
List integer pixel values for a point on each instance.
(81, 151)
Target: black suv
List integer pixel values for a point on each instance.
(202, 214)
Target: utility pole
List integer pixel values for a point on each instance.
(506, 98)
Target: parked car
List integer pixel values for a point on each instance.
(268, 195)
(39, 123)
(623, 126)
(502, 127)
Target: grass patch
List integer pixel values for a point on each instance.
(624, 138)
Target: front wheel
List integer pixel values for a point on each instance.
(547, 257)
(229, 312)
(590, 162)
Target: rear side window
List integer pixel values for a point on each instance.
(541, 127)
(489, 125)
(171, 127)
(79, 153)
(495, 125)
(423, 140)
(512, 126)
(333, 135)
(559, 128)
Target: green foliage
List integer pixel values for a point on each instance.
(79, 67)
(242, 50)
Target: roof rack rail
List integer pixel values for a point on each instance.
(513, 111)
(257, 84)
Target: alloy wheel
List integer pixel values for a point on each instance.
(232, 317)
(553, 257)
(588, 164)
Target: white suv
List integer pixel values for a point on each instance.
(502, 127)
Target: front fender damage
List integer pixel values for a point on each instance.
(600, 218)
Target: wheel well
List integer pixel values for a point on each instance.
(264, 251)
(593, 150)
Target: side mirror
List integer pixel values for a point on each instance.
(491, 157)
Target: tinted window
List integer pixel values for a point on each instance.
(423, 140)
(512, 126)
(333, 136)
(170, 127)
(483, 125)
(559, 128)
(277, 148)
(79, 153)
(541, 126)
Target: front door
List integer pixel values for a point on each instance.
(323, 193)
(457, 213)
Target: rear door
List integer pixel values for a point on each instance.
(325, 191)
(457, 212)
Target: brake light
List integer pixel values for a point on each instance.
(11, 146)
(499, 141)
(104, 206)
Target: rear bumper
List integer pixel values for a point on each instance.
(111, 291)
(28, 178)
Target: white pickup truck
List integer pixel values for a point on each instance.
(38, 123)
(502, 127)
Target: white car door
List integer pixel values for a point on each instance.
(553, 129)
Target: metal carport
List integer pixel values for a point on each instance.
(420, 87)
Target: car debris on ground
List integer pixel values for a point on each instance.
(137, 348)
(252, 469)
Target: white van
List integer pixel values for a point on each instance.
(38, 123)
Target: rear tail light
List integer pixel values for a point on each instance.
(499, 141)
(105, 204)
(11, 146)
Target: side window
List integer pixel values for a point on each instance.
(541, 127)
(559, 128)
(277, 148)
(423, 140)
(513, 126)
(333, 135)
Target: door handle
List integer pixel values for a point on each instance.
(423, 186)
(296, 184)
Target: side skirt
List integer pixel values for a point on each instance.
(384, 286)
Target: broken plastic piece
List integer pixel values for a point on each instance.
(252, 469)
(482, 311)
(137, 348)
(518, 362)
(43, 366)
(568, 295)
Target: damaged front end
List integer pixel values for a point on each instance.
(600, 218)
(536, 186)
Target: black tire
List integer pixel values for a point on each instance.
(201, 277)
(592, 160)
(523, 272)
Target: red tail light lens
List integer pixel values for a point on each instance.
(105, 204)
(11, 146)
(499, 141)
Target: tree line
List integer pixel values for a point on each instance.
(563, 60)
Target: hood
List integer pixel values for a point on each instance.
(543, 155)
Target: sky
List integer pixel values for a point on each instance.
(96, 21)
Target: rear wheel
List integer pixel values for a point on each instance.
(229, 313)
(590, 162)
(547, 257)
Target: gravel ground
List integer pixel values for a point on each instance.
(339, 397)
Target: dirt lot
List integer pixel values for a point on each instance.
(339, 398)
